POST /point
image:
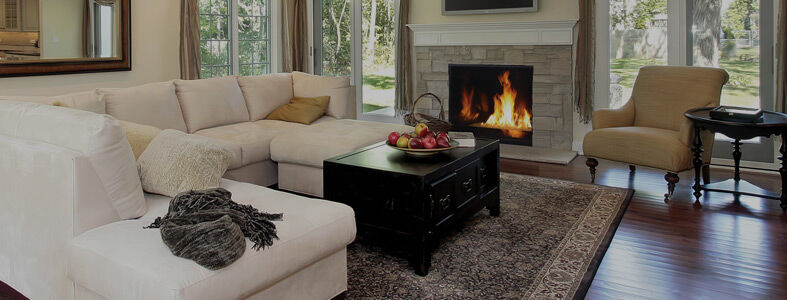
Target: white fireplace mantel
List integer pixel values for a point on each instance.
(494, 33)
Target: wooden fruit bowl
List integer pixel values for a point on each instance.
(425, 152)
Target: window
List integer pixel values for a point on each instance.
(637, 38)
(355, 38)
(235, 37)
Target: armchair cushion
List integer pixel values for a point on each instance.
(646, 146)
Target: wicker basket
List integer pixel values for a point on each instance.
(435, 124)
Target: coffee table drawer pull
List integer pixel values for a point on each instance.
(468, 185)
(445, 202)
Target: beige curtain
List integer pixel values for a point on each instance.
(781, 58)
(88, 49)
(404, 63)
(295, 36)
(585, 60)
(189, 40)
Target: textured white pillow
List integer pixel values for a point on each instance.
(342, 105)
(176, 162)
(265, 93)
(211, 102)
(154, 104)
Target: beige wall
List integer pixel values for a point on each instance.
(155, 30)
(430, 12)
(61, 28)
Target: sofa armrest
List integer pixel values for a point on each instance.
(606, 118)
(37, 216)
(48, 195)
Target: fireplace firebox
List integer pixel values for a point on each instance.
(493, 101)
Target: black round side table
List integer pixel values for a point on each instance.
(772, 124)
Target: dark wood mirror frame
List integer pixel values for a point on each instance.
(79, 65)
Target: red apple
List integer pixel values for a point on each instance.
(407, 135)
(393, 137)
(443, 134)
(429, 142)
(426, 132)
(403, 141)
(442, 142)
(415, 143)
(420, 128)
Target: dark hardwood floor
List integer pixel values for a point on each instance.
(723, 250)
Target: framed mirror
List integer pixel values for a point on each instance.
(40, 37)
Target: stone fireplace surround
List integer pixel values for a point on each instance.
(547, 46)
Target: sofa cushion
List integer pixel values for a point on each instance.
(154, 104)
(249, 141)
(338, 88)
(645, 146)
(98, 137)
(313, 144)
(211, 102)
(176, 162)
(123, 261)
(265, 93)
(88, 101)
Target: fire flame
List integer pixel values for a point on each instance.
(468, 113)
(512, 120)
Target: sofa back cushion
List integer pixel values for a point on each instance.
(154, 104)
(90, 101)
(98, 137)
(265, 93)
(342, 104)
(211, 102)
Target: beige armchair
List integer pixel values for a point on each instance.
(650, 129)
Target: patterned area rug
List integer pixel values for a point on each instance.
(547, 244)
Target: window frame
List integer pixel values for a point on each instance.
(269, 17)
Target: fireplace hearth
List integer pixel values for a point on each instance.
(494, 101)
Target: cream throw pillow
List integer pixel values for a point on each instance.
(176, 162)
(139, 136)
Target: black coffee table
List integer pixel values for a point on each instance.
(772, 123)
(415, 200)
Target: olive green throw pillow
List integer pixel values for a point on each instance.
(301, 110)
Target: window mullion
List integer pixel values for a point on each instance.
(235, 59)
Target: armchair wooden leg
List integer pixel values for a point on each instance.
(706, 174)
(632, 168)
(592, 163)
(671, 179)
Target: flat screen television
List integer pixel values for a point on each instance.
(467, 7)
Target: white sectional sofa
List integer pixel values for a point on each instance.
(63, 237)
(62, 240)
(232, 111)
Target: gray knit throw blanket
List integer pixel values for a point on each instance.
(208, 227)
